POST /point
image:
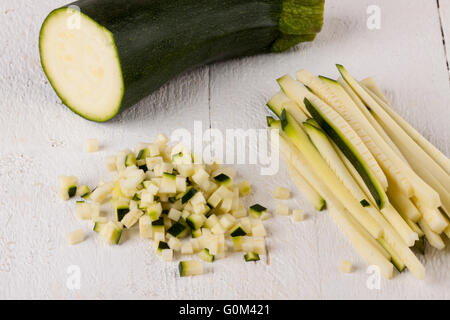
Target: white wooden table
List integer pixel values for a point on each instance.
(40, 139)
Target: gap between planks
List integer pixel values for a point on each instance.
(443, 37)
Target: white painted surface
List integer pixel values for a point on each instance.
(41, 139)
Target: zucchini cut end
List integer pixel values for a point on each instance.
(80, 60)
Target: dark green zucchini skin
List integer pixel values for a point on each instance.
(158, 39)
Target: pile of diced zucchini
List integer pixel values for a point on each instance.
(184, 205)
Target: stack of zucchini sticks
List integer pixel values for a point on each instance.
(384, 184)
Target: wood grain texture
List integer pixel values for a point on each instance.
(41, 139)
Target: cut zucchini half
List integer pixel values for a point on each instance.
(375, 187)
(82, 64)
(112, 58)
(251, 256)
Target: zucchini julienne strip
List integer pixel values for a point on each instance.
(361, 244)
(298, 163)
(403, 204)
(425, 194)
(306, 188)
(281, 100)
(293, 155)
(433, 238)
(371, 86)
(327, 151)
(315, 161)
(332, 93)
(433, 216)
(343, 131)
(324, 146)
(395, 258)
(424, 169)
(375, 125)
(371, 181)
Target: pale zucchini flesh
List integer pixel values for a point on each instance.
(430, 149)
(82, 65)
(422, 191)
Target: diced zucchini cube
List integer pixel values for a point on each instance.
(83, 191)
(259, 231)
(214, 200)
(206, 256)
(167, 254)
(198, 198)
(257, 210)
(259, 245)
(111, 232)
(190, 268)
(282, 209)
(218, 229)
(281, 193)
(168, 183)
(154, 210)
(237, 231)
(75, 237)
(174, 244)
(174, 214)
(195, 221)
(345, 266)
(226, 205)
(180, 184)
(237, 243)
(223, 179)
(190, 192)
(298, 215)
(244, 188)
(145, 227)
(67, 187)
(227, 221)
(176, 229)
(159, 237)
(186, 248)
(131, 218)
(196, 233)
(211, 221)
(111, 163)
(251, 256)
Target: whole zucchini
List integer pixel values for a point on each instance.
(103, 56)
